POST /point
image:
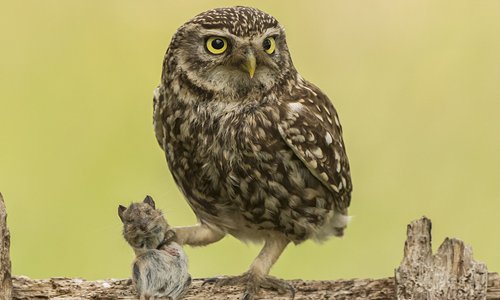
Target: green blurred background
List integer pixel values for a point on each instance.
(417, 85)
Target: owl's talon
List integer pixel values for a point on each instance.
(211, 280)
(233, 280)
(253, 284)
(281, 286)
(247, 296)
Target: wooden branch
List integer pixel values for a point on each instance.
(367, 289)
(66, 288)
(450, 274)
(5, 277)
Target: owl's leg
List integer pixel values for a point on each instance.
(257, 276)
(198, 235)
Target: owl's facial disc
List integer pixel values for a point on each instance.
(228, 64)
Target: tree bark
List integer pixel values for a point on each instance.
(451, 273)
(5, 275)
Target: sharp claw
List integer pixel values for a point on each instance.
(210, 280)
(247, 297)
(281, 286)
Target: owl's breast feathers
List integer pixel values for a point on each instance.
(278, 164)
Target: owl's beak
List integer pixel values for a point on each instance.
(250, 64)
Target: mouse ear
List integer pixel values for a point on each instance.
(121, 210)
(149, 200)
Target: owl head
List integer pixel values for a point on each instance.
(230, 51)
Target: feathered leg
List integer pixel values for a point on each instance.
(257, 276)
(198, 235)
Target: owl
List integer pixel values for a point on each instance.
(256, 149)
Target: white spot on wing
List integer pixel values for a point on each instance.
(295, 106)
(337, 155)
(324, 176)
(334, 187)
(317, 152)
(336, 120)
(313, 163)
(327, 110)
(328, 138)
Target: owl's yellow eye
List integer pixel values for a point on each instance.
(269, 45)
(216, 44)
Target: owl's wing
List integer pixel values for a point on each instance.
(157, 103)
(311, 128)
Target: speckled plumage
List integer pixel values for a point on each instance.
(258, 158)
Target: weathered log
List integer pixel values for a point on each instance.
(366, 289)
(5, 275)
(66, 288)
(451, 273)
